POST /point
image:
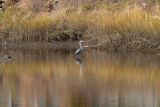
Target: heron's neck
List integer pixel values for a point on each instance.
(80, 45)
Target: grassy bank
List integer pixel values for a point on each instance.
(115, 27)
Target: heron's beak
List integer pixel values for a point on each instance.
(83, 41)
(85, 46)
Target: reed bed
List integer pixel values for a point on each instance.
(125, 28)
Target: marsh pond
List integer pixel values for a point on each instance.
(97, 78)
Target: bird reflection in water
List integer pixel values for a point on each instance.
(79, 62)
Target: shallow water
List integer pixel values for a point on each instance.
(54, 78)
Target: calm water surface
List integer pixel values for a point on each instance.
(55, 78)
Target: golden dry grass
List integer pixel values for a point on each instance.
(131, 27)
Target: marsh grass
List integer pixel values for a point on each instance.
(130, 27)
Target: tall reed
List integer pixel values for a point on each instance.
(129, 27)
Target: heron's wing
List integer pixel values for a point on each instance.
(78, 51)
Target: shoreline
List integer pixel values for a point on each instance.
(65, 45)
(43, 45)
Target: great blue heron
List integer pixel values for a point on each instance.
(81, 48)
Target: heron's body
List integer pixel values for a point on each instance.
(79, 51)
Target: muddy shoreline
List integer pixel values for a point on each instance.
(63, 45)
(43, 45)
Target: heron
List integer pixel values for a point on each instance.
(78, 51)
